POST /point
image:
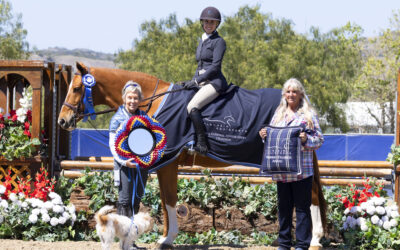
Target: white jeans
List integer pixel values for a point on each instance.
(204, 96)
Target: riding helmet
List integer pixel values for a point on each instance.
(210, 13)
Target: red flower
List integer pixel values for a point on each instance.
(12, 112)
(1, 117)
(27, 133)
(376, 194)
(27, 125)
(29, 115)
(14, 118)
(2, 125)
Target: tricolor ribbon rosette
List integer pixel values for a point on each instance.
(141, 121)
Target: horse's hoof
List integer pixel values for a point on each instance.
(315, 247)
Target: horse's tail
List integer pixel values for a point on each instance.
(317, 190)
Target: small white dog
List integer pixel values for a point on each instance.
(109, 224)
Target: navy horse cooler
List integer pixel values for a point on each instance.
(282, 151)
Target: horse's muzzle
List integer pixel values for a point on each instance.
(66, 125)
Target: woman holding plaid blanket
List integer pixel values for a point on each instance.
(294, 190)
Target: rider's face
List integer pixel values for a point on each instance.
(209, 25)
(132, 100)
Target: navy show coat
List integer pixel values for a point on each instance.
(209, 55)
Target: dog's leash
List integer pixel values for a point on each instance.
(135, 194)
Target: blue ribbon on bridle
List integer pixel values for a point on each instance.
(89, 81)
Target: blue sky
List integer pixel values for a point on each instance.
(110, 26)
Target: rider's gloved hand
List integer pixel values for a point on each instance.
(190, 84)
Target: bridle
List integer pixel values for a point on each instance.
(76, 109)
(79, 113)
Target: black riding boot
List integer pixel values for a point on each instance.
(201, 143)
(124, 209)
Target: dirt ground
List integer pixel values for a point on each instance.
(89, 245)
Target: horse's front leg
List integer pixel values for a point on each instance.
(168, 181)
(318, 207)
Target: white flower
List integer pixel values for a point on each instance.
(24, 204)
(394, 214)
(380, 223)
(34, 202)
(43, 211)
(388, 210)
(66, 215)
(21, 114)
(393, 222)
(33, 218)
(378, 201)
(2, 189)
(71, 208)
(73, 217)
(1, 218)
(353, 210)
(360, 221)
(13, 197)
(385, 218)
(57, 201)
(36, 211)
(364, 227)
(4, 204)
(387, 225)
(54, 221)
(21, 195)
(62, 220)
(364, 206)
(58, 209)
(346, 211)
(380, 210)
(45, 217)
(394, 207)
(375, 219)
(48, 205)
(371, 210)
(54, 195)
(40, 203)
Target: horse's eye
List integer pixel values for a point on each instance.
(77, 89)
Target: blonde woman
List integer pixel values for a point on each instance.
(294, 191)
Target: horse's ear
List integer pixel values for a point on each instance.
(82, 68)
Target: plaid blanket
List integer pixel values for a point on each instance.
(282, 152)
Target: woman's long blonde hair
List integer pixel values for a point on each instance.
(304, 108)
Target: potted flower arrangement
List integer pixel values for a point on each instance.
(369, 220)
(15, 135)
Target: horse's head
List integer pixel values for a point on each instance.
(73, 106)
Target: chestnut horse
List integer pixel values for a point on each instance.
(109, 83)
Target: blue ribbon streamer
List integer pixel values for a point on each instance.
(88, 102)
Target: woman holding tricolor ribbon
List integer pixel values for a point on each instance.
(294, 190)
(125, 171)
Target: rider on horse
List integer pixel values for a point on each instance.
(208, 76)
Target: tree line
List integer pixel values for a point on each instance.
(263, 52)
